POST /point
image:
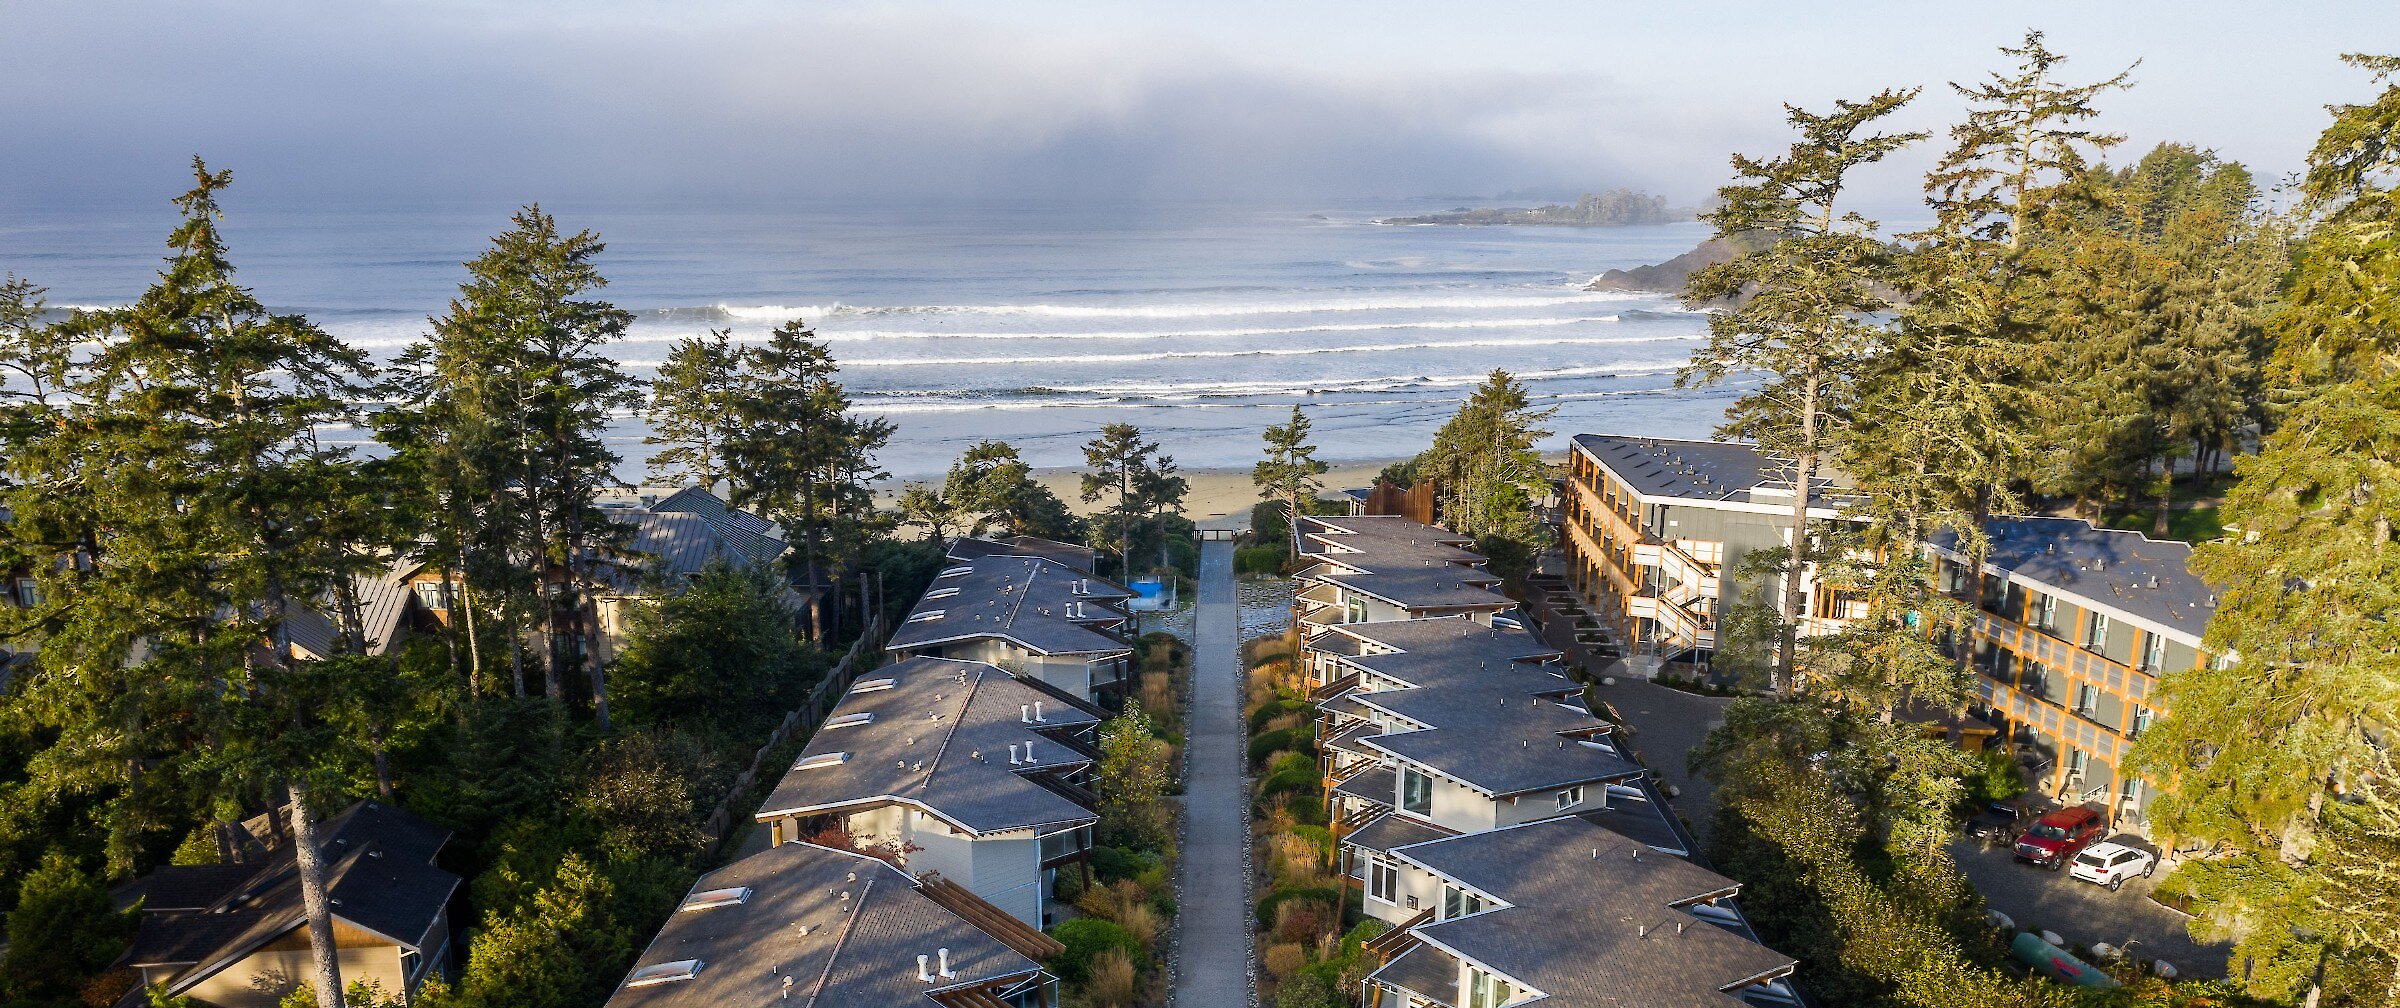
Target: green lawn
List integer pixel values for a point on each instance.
(2192, 525)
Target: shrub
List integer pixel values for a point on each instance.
(1306, 991)
(1086, 938)
(1268, 743)
(1293, 763)
(1318, 835)
(1303, 779)
(1112, 984)
(1302, 920)
(1260, 559)
(1112, 863)
(1274, 901)
(1283, 960)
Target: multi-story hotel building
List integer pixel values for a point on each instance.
(1654, 531)
(2075, 627)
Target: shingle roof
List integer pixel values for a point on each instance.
(1047, 607)
(1081, 558)
(1440, 650)
(1394, 830)
(379, 873)
(1591, 929)
(1703, 470)
(1409, 564)
(845, 928)
(382, 598)
(1430, 972)
(939, 738)
(740, 533)
(1378, 784)
(2116, 569)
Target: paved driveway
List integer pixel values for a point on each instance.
(1212, 929)
(1667, 724)
(2084, 913)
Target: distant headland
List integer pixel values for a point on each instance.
(1614, 208)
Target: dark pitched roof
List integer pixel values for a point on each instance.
(1588, 922)
(1082, 558)
(2126, 571)
(1486, 722)
(1047, 607)
(379, 874)
(382, 598)
(1394, 830)
(844, 928)
(1704, 470)
(1403, 562)
(1429, 971)
(939, 738)
(743, 534)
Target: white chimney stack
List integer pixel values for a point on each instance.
(922, 975)
(945, 963)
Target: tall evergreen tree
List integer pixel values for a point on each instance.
(1291, 472)
(192, 415)
(797, 454)
(1804, 302)
(2275, 749)
(1123, 464)
(514, 392)
(691, 409)
(991, 482)
(1487, 467)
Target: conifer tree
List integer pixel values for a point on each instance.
(1123, 464)
(514, 391)
(922, 504)
(991, 482)
(180, 484)
(691, 409)
(1804, 301)
(1291, 471)
(2263, 746)
(1488, 468)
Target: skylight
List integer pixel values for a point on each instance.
(927, 616)
(849, 720)
(941, 593)
(955, 572)
(873, 685)
(666, 972)
(822, 760)
(717, 897)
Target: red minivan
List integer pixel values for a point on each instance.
(2055, 839)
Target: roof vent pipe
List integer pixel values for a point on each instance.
(922, 975)
(1029, 752)
(944, 963)
(1012, 756)
(1037, 712)
(1025, 713)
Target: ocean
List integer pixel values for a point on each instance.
(1033, 323)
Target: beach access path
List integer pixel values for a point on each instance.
(1213, 962)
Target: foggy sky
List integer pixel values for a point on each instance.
(723, 101)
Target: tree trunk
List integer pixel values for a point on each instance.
(1125, 519)
(1804, 469)
(383, 767)
(325, 975)
(808, 558)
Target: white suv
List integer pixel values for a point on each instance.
(2110, 864)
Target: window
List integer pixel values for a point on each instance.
(2130, 792)
(927, 616)
(2045, 611)
(1354, 609)
(1486, 991)
(2076, 758)
(29, 592)
(433, 594)
(1457, 902)
(2141, 721)
(2086, 697)
(1383, 881)
(941, 593)
(2097, 638)
(2154, 653)
(1416, 792)
(666, 972)
(1570, 798)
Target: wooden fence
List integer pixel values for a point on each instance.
(866, 653)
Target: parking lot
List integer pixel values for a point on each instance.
(2084, 913)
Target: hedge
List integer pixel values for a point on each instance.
(1266, 907)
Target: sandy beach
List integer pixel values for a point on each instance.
(1215, 493)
